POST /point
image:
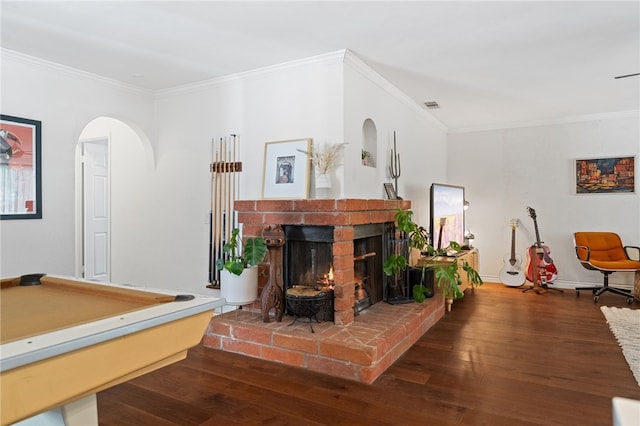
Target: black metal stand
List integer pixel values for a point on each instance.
(307, 306)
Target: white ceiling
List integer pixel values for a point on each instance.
(487, 64)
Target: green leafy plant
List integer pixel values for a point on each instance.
(447, 275)
(420, 291)
(254, 251)
(417, 237)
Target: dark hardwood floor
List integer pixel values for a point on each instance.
(501, 357)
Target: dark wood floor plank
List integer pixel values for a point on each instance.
(501, 357)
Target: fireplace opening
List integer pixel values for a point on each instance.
(308, 263)
(368, 255)
(308, 254)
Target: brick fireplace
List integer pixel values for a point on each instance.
(343, 218)
(354, 347)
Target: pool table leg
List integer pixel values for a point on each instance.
(82, 412)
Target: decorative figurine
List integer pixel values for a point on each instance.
(273, 294)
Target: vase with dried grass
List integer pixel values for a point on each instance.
(324, 160)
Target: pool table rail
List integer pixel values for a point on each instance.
(56, 368)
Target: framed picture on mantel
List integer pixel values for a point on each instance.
(286, 169)
(391, 192)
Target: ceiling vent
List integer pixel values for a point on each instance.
(431, 105)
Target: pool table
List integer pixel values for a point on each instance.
(65, 339)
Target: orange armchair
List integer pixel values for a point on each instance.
(604, 252)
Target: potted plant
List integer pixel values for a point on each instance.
(238, 268)
(367, 158)
(411, 236)
(446, 274)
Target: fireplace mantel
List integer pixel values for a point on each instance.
(342, 214)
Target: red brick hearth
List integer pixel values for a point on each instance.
(361, 352)
(355, 347)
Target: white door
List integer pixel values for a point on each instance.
(95, 178)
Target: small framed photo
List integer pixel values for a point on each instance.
(605, 175)
(20, 168)
(391, 192)
(287, 165)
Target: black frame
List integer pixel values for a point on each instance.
(37, 164)
(454, 207)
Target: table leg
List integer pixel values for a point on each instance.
(83, 412)
(449, 302)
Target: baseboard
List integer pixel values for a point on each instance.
(563, 283)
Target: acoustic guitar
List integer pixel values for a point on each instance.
(539, 264)
(511, 273)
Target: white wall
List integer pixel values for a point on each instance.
(292, 101)
(65, 100)
(504, 171)
(315, 98)
(420, 141)
(162, 234)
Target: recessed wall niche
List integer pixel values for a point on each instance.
(369, 143)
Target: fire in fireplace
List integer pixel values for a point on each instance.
(308, 262)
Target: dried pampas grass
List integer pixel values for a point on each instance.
(325, 158)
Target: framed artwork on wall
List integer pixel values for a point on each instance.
(286, 169)
(605, 175)
(20, 168)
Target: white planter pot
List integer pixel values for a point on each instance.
(323, 180)
(323, 186)
(239, 289)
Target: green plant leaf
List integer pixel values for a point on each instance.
(231, 246)
(472, 275)
(234, 267)
(420, 293)
(219, 264)
(394, 264)
(254, 251)
(449, 277)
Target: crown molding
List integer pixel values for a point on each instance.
(331, 57)
(548, 122)
(366, 71)
(344, 56)
(32, 60)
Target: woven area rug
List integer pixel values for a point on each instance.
(625, 326)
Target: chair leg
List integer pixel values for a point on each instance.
(619, 291)
(597, 291)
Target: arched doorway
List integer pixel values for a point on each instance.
(110, 155)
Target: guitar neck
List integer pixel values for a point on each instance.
(442, 223)
(513, 243)
(539, 248)
(538, 242)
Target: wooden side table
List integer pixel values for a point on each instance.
(636, 286)
(469, 256)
